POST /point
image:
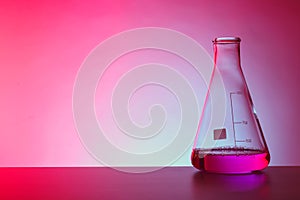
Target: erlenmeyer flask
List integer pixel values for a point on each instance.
(229, 137)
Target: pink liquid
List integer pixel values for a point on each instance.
(230, 160)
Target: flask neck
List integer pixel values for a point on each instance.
(227, 54)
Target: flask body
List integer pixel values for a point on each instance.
(229, 137)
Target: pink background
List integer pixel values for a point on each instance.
(43, 44)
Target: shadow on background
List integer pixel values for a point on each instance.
(222, 186)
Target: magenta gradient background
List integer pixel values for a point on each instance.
(43, 44)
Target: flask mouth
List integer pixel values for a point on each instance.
(226, 40)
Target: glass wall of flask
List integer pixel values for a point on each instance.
(229, 137)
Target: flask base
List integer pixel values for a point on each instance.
(230, 160)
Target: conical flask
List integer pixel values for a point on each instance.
(229, 137)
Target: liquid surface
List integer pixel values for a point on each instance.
(230, 160)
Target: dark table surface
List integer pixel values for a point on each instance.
(167, 183)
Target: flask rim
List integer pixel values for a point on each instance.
(226, 40)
